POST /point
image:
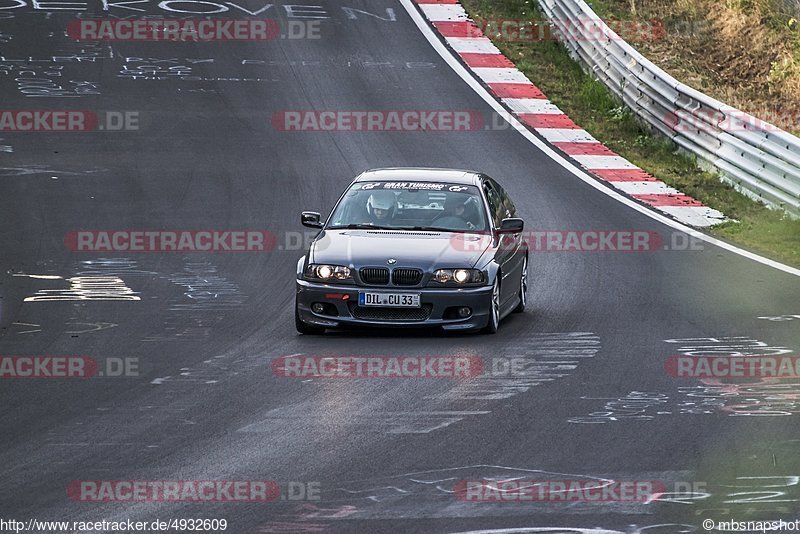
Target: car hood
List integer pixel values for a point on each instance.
(423, 250)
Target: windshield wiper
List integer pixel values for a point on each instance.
(439, 229)
(360, 226)
(424, 228)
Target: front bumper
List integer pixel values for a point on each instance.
(436, 311)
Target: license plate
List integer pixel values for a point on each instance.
(389, 300)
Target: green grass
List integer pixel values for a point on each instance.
(594, 108)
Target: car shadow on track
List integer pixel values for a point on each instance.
(510, 324)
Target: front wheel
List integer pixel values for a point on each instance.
(494, 309)
(523, 287)
(305, 328)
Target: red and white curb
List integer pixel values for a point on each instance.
(531, 107)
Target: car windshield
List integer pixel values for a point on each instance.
(411, 206)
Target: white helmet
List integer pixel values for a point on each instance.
(382, 200)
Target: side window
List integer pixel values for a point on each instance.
(508, 209)
(495, 204)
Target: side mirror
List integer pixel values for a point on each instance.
(311, 219)
(511, 226)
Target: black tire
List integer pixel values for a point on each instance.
(523, 287)
(305, 328)
(494, 308)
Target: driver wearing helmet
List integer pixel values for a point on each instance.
(381, 207)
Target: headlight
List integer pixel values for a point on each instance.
(442, 276)
(459, 276)
(328, 273)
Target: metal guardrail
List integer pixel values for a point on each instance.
(759, 159)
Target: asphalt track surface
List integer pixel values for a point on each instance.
(384, 452)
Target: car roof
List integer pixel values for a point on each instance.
(421, 174)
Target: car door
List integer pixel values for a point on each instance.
(518, 246)
(506, 255)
